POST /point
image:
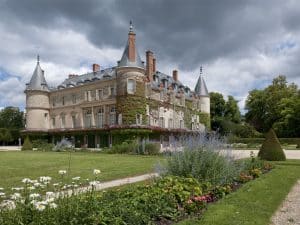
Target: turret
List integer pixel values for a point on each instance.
(37, 101)
(130, 82)
(201, 91)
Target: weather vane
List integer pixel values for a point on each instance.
(200, 70)
(130, 26)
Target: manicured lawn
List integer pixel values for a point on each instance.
(255, 202)
(14, 166)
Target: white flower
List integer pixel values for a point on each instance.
(31, 188)
(45, 179)
(56, 184)
(94, 183)
(96, 172)
(76, 186)
(39, 206)
(15, 196)
(62, 172)
(34, 181)
(34, 195)
(52, 205)
(2, 194)
(8, 204)
(26, 181)
(37, 184)
(1, 189)
(17, 188)
(49, 200)
(50, 194)
(76, 178)
(33, 202)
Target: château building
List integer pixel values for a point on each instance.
(107, 106)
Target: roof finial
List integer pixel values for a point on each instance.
(38, 58)
(130, 26)
(200, 70)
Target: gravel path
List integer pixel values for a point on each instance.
(289, 212)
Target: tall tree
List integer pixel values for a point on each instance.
(11, 118)
(232, 111)
(217, 105)
(275, 106)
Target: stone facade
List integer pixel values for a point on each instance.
(128, 96)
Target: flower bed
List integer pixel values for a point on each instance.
(163, 201)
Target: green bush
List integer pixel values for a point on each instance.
(271, 149)
(27, 144)
(152, 148)
(125, 147)
(203, 164)
(42, 145)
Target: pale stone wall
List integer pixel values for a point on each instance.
(37, 119)
(205, 104)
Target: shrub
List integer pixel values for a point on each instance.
(125, 147)
(203, 161)
(152, 148)
(42, 145)
(27, 144)
(271, 149)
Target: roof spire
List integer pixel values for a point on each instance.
(130, 26)
(200, 70)
(38, 58)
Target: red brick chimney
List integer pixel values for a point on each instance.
(96, 67)
(149, 65)
(175, 75)
(154, 65)
(131, 46)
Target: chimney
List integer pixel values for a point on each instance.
(72, 75)
(149, 65)
(154, 65)
(175, 75)
(131, 46)
(96, 67)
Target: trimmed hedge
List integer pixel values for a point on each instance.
(27, 144)
(271, 149)
(291, 141)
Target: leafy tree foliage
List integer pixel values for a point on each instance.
(277, 106)
(232, 111)
(5, 135)
(11, 118)
(217, 106)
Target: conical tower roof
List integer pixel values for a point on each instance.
(126, 60)
(201, 88)
(38, 81)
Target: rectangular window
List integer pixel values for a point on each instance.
(170, 125)
(73, 121)
(139, 119)
(131, 86)
(162, 122)
(181, 124)
(100, 94)
(63, 121)
(63, 100)
(53, 122)
(112, 91)
(88, 118)
(100, 119)
(74, 99)
(112, 115)
(53, 102)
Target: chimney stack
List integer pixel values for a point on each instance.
(96, 67)
(149, 65)
(154, 65)
(175, 75)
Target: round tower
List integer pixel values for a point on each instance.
(131, 84)
(202, 92)
(37, 101)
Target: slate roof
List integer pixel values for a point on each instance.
(124, 62)
(37, 81)
(201, 88)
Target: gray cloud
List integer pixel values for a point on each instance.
(239, 42)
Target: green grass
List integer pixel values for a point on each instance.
(255, 202)
(14, 166)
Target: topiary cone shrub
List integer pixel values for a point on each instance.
(27, 145)
(271, 149)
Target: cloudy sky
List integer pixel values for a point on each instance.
(241, 44)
